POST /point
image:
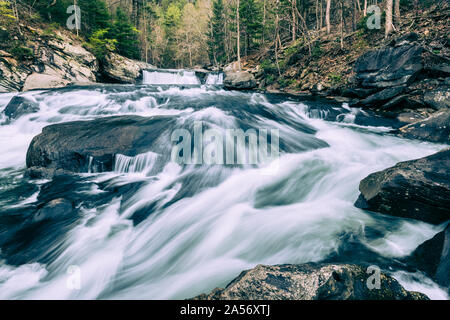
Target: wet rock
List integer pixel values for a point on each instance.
(435, 128)
(81, 146)
(379, 98)
(19, 106)
(55, 209)
(310, 282)
(417, 189)
(433, 258)
(389, 66)
(240, 80)
(123, 70)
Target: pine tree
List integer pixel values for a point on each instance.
(217, 33)
(125, 34)
(250, 19)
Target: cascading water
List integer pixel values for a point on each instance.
(156, 229)
(170, 77)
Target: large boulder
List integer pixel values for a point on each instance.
(417, 189)
(19, 106)
(389, 66)
(240, 80)
(433, 258)
(84, 146)
(310, 282)
(435, 128)
(123, 70)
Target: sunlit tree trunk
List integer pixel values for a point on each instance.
(389, 23)
(327, 16)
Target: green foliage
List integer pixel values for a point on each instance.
(216, 35)
(99, 44)
(335, 79)
(6, 13)
(317, 51)
(21, 53)
(250, 13)
(125, 34)
(284, 83)
(268, 67)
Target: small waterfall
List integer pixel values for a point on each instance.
(141, 163)
(166, 76)
(214, 79)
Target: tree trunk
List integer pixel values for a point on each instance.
(342, 24)
(389, 24)
(327, 16)
(239, 35)
(365, 8)
(294, 20)
(397, 11)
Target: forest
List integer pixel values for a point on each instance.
(185, 33)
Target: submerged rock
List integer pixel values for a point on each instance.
(435, 128)
(18, 106)
(417, 189)
(240, 80)
(81, 146)
(54, 209)
(433, 258)
(311, 282)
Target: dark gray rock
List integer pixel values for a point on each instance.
(389, 66)
(19, 106)
(435, 128)
(82, 145)
(240, 80)
(442, 276)
(55, 209)
(432, 257)
(381, 97)
(310, 282)
(417, 189)
(438, 99)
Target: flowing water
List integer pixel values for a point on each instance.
(154, 229)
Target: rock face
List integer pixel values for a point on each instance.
(390, 66)
(438, 99)
(417, 189)
(240, 80)
(81, 146)
(57, 62)
(123, 70)
(19, 106)
(310, 282)
(433, 258)
(436, 128)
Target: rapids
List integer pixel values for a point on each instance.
(174, 231)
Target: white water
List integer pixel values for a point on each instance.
(248, 216)
(170, 77)
(214, 79)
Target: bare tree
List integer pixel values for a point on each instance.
(327, 16)
(389, 23)
(365, 8)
